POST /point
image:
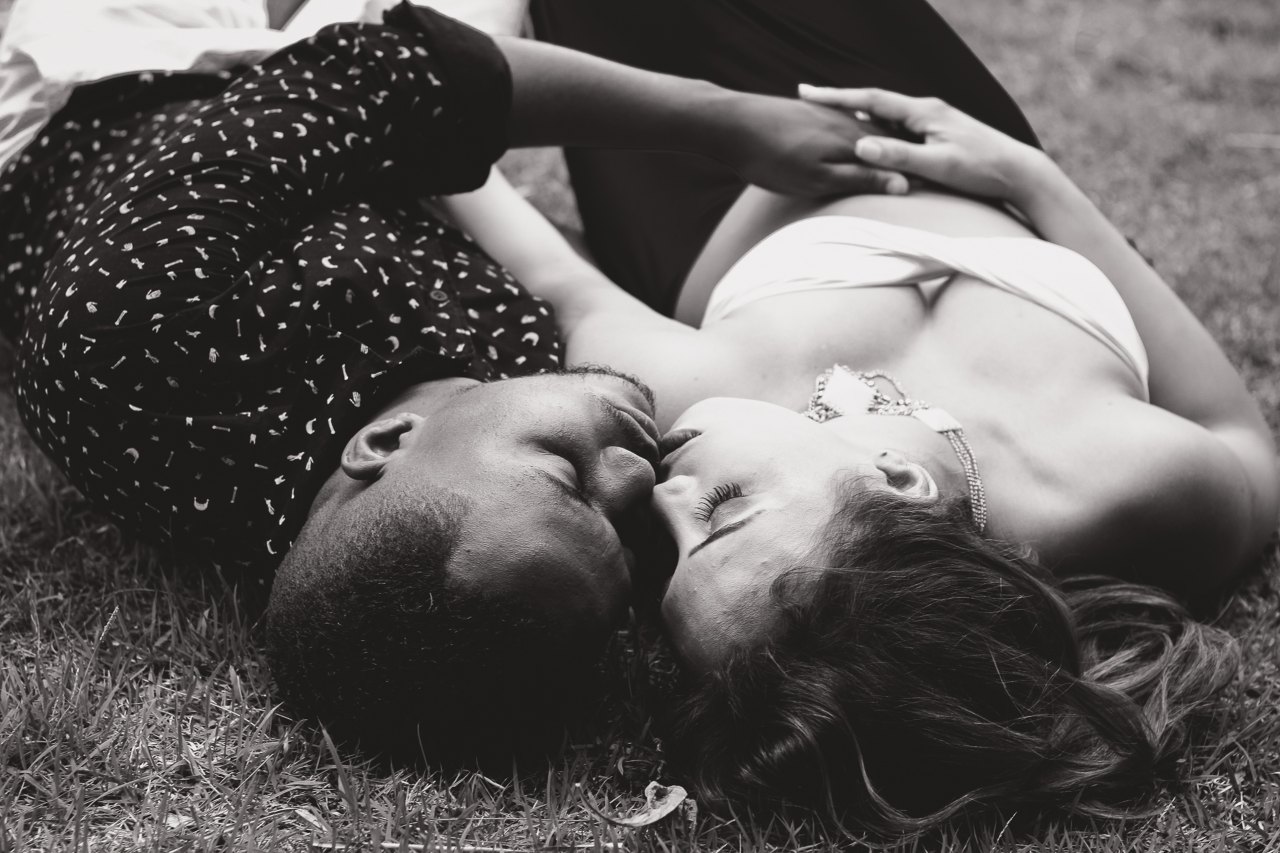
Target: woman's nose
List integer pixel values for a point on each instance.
(671, 501)
(668, 498)
(622, 480)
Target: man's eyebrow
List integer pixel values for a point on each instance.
(724, 531)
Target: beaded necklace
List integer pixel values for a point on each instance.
(840, 390)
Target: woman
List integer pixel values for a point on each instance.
(881, 600)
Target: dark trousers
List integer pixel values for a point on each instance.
(648, 214)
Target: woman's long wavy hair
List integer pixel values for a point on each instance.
(925, 670)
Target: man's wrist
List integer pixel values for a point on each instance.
(709, 121)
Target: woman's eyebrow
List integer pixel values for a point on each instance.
(724, 531)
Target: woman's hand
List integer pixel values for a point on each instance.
(957, 151)
(799, 148)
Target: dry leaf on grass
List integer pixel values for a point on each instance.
(659, 801)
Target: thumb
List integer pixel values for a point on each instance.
(888, 153)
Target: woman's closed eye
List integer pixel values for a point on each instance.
(707, 505)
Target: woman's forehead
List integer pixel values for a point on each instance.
(721, 598)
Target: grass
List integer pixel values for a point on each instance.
(136, 711)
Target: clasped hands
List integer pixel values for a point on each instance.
(851, 141)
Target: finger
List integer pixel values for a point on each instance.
(887, 153)
(854, 178)
(878, 102)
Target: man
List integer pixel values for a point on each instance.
(236, 329)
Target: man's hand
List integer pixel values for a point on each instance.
(958, 151)
(562, 97)
(804, 149)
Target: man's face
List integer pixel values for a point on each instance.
(555, 469)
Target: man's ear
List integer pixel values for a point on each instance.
(369, 449)
(907, 478)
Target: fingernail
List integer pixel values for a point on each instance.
(868, 149)
(897, 185)
(806, 89)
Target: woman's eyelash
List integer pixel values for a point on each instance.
(707, 503)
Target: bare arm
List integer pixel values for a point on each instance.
(600, 322)
(520, 238)
(1190, 375)
(563, 97)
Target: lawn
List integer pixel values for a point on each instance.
(137, 713)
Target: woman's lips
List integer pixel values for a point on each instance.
(676, 439)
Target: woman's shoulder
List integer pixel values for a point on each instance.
(1138, 492)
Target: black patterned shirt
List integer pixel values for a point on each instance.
(214, 281)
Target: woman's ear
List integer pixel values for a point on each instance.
(907, 478)
(368, 451)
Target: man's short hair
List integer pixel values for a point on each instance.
(368, 634)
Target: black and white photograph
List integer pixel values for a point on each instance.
(534, 426)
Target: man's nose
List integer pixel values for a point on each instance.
(622, 480)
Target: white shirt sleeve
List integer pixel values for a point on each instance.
(51, 46)
(495, 17)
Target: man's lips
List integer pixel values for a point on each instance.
(671, 443)
(639, 431)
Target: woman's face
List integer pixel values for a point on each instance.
(746, 498)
